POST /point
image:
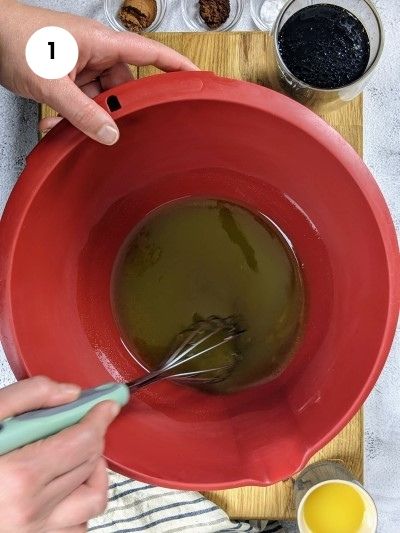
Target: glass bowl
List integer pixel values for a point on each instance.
(191, 15)
(265, 12)
(321, 99)
(111, 9)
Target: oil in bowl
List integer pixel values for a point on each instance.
(195, 258)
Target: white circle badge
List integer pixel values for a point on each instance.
(52, 52)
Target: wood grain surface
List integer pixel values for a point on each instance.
(248, 56)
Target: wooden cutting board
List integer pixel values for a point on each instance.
(247, 56)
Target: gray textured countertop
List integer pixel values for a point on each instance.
(18, 119)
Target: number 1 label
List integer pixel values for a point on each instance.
(42, 57)
(51, 44)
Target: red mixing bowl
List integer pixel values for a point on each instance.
(184, 135)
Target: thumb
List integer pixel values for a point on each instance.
(82, 112)
(35, 393)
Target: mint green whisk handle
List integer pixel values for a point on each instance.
(32, 426)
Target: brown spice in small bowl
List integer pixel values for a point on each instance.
(214, 12)
(137, 15)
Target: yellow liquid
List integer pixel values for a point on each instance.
(334, 508)
(196, 258)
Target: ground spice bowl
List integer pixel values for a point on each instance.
(111, 9)
(191, 15)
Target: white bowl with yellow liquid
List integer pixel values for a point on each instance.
(337, 506)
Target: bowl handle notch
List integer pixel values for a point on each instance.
(131, 96)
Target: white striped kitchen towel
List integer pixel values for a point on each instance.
(135, 507)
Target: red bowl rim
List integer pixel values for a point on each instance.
(189, 86)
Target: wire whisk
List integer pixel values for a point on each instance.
(187, 361)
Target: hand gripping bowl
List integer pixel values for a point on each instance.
(194, 134)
